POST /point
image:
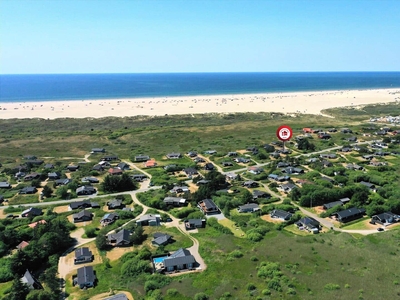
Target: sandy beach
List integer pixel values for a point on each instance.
(296, 102)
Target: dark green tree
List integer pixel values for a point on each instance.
(138, 236)
(19, 290)
(47, 191)
(101, 242)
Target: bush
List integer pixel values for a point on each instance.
(236, 254)
(200, 296)
(266, 292)
(172, 292)
(90, 232)
(331, 287)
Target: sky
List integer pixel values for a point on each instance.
(118, 36)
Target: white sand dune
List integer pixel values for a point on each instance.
(296, 102)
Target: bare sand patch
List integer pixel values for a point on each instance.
(117, 252)
(61, 209)
(272, 220)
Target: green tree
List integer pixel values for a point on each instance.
(62, 192)
(138, 236)
(101, 242)
(19, 290)
(305, 145)
(47, 191)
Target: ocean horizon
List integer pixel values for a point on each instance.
(55, 87)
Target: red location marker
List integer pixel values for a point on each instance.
(284, 133)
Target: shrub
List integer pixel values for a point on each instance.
(172, 292)
(236, 254)
(250, 287)
(331, 287)
(266, 292)
(200, 296)
(90, 232)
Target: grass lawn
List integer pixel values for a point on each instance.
(231, 225)
(293, 229)
(363, 224)
(4, 287)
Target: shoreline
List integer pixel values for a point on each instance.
(309, 102)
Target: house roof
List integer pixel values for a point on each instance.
(84, 251)
(63, 181)
(386, 216)
(85, 188)
(161, 238)
(121, 236)
(190, 171)
(83, 203)
(115, 203)
(281, 214)
(148, 218)
(32, 211)
(195, 222)
(34, 224)
(117, 297)
(332, 204)
(367, 184)
(114, 171)
(22, 245)
(110, 216)
(309, 222)
(30, 281)
(209, 204)
(81, 214)
(174, 200)
(28, 189)
(4, 184)
(350, 212)
(179, 257)
(85, 274)
(258, 193)
(247, 206)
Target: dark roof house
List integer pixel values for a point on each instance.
(249, 207)
(31, 212)
(208, 207)
(85, 190)
(85, 277)
(149, 220)
(119, 239)
(160, 239)
(332, 204)
(385, 218)
(350, 214)
(310, 224)
(115, 204)
(82, 216)
(83, 255)
(281, 214)
(108, 219)
(179, 260)
(194, 223)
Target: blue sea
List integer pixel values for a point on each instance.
(15, 88)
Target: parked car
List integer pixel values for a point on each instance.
(380, 229)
